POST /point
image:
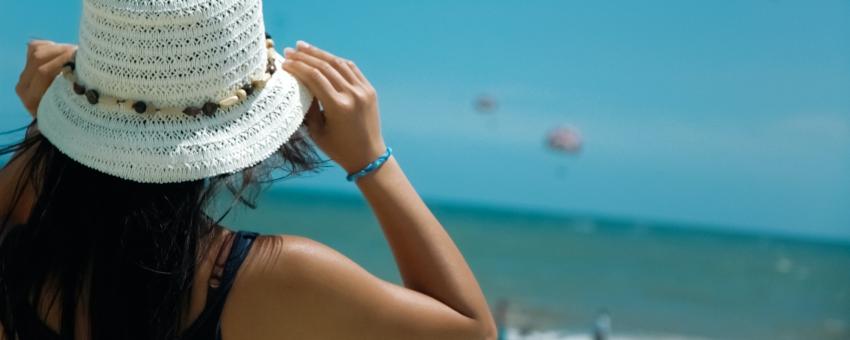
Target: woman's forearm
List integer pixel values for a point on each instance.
(428, 259)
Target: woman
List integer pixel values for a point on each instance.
(105, 230)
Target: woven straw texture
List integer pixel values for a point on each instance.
(172, 53)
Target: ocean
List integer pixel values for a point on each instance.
(556, 274)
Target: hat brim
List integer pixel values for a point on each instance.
(170, 148)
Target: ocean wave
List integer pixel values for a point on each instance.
(515, 334)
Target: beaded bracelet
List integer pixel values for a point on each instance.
(371, 167)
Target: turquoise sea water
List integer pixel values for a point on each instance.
(558, 272)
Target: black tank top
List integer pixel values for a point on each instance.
(208, 324)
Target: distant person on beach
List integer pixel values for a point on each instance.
(602, 326)
(501, 316)
(104, 224)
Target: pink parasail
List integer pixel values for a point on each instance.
(565, 139)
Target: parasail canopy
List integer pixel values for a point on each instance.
(565, 139)
(486, 104)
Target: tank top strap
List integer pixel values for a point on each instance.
(208, 324)
(242, 243)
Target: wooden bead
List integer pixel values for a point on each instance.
(109, 100)
(79, 89)
(192, 111)
(271, 54)
(70, 77)
(170, 111)
(269, 43)
(140, 107)
(210, 108)
(109, 103)
(229, 101)
(92, 96)
(241, 94)
(261, 82)
(248, 88)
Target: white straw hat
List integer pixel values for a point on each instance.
(165, 91)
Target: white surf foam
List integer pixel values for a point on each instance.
(514, 334)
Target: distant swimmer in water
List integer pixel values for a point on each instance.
(602, 326)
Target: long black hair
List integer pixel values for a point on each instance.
(127, 251)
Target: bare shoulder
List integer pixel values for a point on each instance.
(291, 261)
(294, 287)
(288, 286)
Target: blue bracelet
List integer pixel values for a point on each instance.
(371, 167)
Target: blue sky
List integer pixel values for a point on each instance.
(726, 113)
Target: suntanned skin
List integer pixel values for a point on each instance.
(295, 288)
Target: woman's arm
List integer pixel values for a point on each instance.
(43, 64)
(315, 292)
(428, 260)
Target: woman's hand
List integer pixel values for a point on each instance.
(44, 62)
(348, 129)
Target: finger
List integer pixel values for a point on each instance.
(33, 45)
(358, 73)
(340, 64)
(47, 52)
(40, 42)
(314, 79)
(43, 77)
(338, 81)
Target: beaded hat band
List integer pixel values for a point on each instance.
(164, 91)
(208, 108)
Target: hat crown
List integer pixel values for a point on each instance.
(170, 53)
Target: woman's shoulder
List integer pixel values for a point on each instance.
(289, 283)
(297, 262)
(289, 259)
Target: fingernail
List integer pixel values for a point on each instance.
(302, 44)
(287, 51)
